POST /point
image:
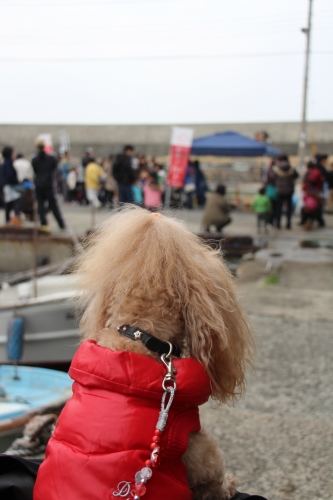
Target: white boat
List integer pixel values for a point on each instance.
(35, 391)
(50, 332)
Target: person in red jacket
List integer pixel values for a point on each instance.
(312, 187)
(163, 332)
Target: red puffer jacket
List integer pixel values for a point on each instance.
(103, 435)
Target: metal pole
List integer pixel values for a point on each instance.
(302, 138)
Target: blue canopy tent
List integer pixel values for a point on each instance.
(231, 144)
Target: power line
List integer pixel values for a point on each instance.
(150, 58)
(269, 26)
(263, 22)
(81, 3)
(105, 39)
(156, 30)
(257, 25)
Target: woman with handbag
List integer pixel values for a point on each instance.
(12, 190)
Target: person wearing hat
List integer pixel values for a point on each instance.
(45, 168)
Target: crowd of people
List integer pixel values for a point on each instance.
(23, 181)
(277, 197)
(100, 182)
(132, 178)
(125, 178)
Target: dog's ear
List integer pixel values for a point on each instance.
(217, 333)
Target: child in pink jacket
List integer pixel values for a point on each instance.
(152, 193)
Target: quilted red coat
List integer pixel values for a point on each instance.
(104, 433)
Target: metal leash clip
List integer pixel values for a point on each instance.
(171, 370)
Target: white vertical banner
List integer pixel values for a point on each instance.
(64, 142)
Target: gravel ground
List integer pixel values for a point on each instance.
(278, 441)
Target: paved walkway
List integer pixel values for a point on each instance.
(82, 219)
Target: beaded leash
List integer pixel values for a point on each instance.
(169, 385)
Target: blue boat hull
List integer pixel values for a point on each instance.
(38, 390)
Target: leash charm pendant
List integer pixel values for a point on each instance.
(123, 489)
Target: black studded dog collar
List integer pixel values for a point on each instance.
(152, 343)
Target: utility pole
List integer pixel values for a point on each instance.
(302, 137)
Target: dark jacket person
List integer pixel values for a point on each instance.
(124, 174)
(284, 176)
(45, 167)
(11, 196)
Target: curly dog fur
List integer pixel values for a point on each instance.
(149, 271)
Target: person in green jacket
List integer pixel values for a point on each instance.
(262, 206)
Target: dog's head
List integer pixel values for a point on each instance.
(149, 271)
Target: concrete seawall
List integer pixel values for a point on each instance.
(154, 139)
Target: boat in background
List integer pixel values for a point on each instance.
(50, 332)
(36, 391)
(20, 251)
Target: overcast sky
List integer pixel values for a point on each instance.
(162, 61)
